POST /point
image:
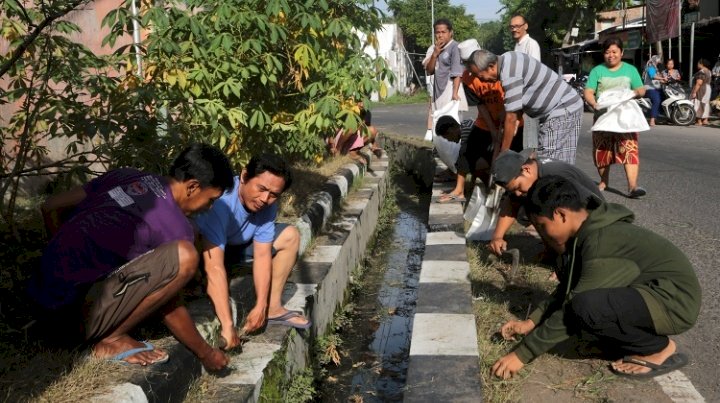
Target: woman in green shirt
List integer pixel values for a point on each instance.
(608, 147)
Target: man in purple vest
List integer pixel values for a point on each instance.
(122, 248)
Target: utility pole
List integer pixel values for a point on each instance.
(432, 21)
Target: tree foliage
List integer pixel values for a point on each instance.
(414, 18)
(550, 21)
(275, 75)
(246, 75)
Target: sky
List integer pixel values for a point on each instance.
(484, 10)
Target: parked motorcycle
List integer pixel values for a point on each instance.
(578, 84)
(676, 106)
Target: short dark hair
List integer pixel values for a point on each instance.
(443, 21)
(444, 124)
(519, 15)
(704, 62)
(612, 41)
(269, 163)
(205, 163)
(550, 193)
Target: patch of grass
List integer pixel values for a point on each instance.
(419, 97)
(495, 303)
(302, 387)
(307, 178)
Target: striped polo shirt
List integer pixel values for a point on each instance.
(534, 88)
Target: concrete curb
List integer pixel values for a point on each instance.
(316, 286)
(444, 357)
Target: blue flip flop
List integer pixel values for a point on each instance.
(284, 320)
(147, 347)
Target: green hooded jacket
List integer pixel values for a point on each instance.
(609, 252)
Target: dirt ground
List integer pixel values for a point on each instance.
(565, 375)
(560, 380)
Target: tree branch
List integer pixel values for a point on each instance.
(18, 52)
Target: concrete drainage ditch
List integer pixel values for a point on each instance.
(440, 362)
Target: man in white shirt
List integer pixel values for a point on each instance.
(523, 42)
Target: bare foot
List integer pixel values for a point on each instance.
(112, 346)
(657, 358)
(602, 186)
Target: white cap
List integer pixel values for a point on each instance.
(467, 48)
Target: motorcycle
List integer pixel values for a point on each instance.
(676, 106)
(578, 84)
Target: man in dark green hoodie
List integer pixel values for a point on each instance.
(626, 286)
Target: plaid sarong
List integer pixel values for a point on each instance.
(558, 136)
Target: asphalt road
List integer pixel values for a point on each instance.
(679, 169)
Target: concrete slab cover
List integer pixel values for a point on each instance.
(323, 253)
(445, 298)
(445, 238)
(444, 271)
(295, 295)
(437, 209)
(435, 379)
(356, 204)
(443, 334)
(249, 366)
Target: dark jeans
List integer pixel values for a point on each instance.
(618, 317)
(655, 99)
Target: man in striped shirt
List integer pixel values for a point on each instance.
(532, 88)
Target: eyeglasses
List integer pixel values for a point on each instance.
(514, 27)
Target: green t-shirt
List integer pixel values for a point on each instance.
(602, 79)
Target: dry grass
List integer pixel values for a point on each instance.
(496, 302)
(549, 376)
(306, 180)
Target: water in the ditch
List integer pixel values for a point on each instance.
(376, 339)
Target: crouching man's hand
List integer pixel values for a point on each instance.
(507, 366)
(215, 360)
(232, 339)
(255, 319)
(513, 327)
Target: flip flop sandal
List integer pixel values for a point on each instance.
(285, 320)
(637, 193)
(120, 358)
(446, 198)
(674, 362)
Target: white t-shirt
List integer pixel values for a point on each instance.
(529, 46)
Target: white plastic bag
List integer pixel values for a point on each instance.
(476, 200)
(447, 150)
(623, 113)
(484, 214)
